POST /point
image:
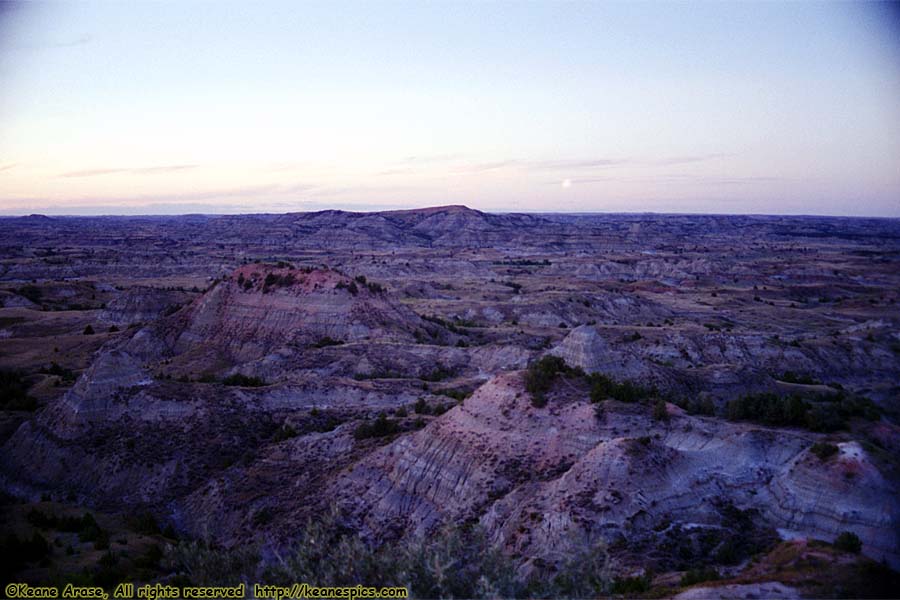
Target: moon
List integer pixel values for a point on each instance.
(567, 183)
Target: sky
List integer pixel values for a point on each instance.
(226, 107)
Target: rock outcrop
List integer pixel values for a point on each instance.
(538, 478)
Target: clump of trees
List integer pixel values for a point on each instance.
(241, 380)
(603, 387)
(86, 526)
(360, 281)
(274, 280)
(381, 426)
(826, 413)
(769, 408)
(541, 375)
(439, 373)
(350, 287)
(375, 288)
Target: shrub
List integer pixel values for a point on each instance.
(61, 372)
(14, 392)
(438, 374)
(769, 408)
(202, 563)
(516, 287)
(30, 292)
(17, 552)
(241, 380)
(540, 376)
(848, 542)
(602, 387)
(88, 330)
(274, 280)
(380, 427)
(702, 406)
(695, 576)
(827, 413)
(452, 562)
(660, 412)
(824, 450)
(90, 531)
(327, 341)
(145, 523)
(791, 377)
(457, 394)
(285, 432)
(630, 586)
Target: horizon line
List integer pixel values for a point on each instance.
(51, 215)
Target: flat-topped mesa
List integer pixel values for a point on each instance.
(429, 210)
(262, 308)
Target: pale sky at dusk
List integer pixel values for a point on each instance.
(172, 107)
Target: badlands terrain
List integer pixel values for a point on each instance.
(695, 405)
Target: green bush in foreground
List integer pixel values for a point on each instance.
(454, 562)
